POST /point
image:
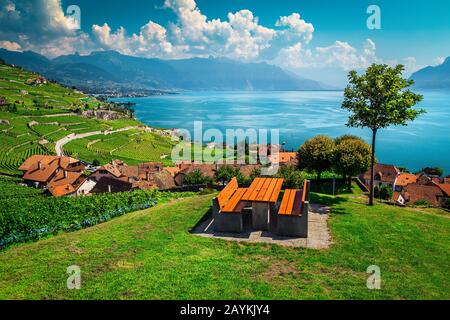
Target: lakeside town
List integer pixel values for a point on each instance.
(197, 150)
(65, 176)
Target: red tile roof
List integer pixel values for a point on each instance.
(386, 173)
(405, 178)
(445, 188)
(414, 192)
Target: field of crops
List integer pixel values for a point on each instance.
(132, 146)
(10, 188)
(44, 115)
(52, 215)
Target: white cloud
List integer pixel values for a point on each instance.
(439, 60)
(9, 45)
(340, 54)
(39, 25)
(150, 42)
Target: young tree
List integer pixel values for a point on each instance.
(292, 177)
(378, 99)
(352, 157)
(316, 154)
(196, 177)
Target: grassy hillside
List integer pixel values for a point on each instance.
(38, 116)
(151, 255)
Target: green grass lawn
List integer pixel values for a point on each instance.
(151, 255)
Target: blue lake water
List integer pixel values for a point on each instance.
(302, 115)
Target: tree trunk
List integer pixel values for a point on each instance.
(372, 164)
(349, 183)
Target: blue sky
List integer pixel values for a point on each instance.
(316, 39)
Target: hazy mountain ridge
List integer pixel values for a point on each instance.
(106, 70)
(437, 77)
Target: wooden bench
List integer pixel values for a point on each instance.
(293, 201)
(293, 212)
(228, 217)
(229, 199)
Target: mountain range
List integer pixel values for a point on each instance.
(437, 77)
(107, 71)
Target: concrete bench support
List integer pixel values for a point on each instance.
(294, 225)
(229, 222)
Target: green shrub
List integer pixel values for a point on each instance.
(292, 177)
(422, 203)
(196, 177)
(29, 220)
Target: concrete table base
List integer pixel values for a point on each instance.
(260, 216)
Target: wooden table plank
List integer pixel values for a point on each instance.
(268, 193)
(263, 190)
(252, 196)
(251, 189)
(276, 191)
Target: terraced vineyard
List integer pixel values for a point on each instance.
(10, 188)
(132, 146)
(35, 117)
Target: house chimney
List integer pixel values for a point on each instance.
(109, 188)
(39, 165)
(147, 175)
(65, 174)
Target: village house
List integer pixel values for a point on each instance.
(384, 175)
(61, 176)
(39, 81)
(431, 193)
(144, 176)
(284, 158)
(403, 179)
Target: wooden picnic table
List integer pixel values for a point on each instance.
(264, 190)
(263, 193)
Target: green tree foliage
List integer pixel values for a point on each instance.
(352, 157)
(316, 154)
(225, 173)
(383, 193)
(293, 178)
(434, 171)
(378, 99)
(196, 177)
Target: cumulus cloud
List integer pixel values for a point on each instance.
(241, 36)
(42, 26)
(439, 60)
(39, 25)
(338, 55)
(150, 42)
(9, 45)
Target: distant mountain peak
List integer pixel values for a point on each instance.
(436, 77)
(111, 70)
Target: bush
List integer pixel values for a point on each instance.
(385, 193)
(422, 203)
(446, 204)
(29, 220)
(196, 177)
(293, 178)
